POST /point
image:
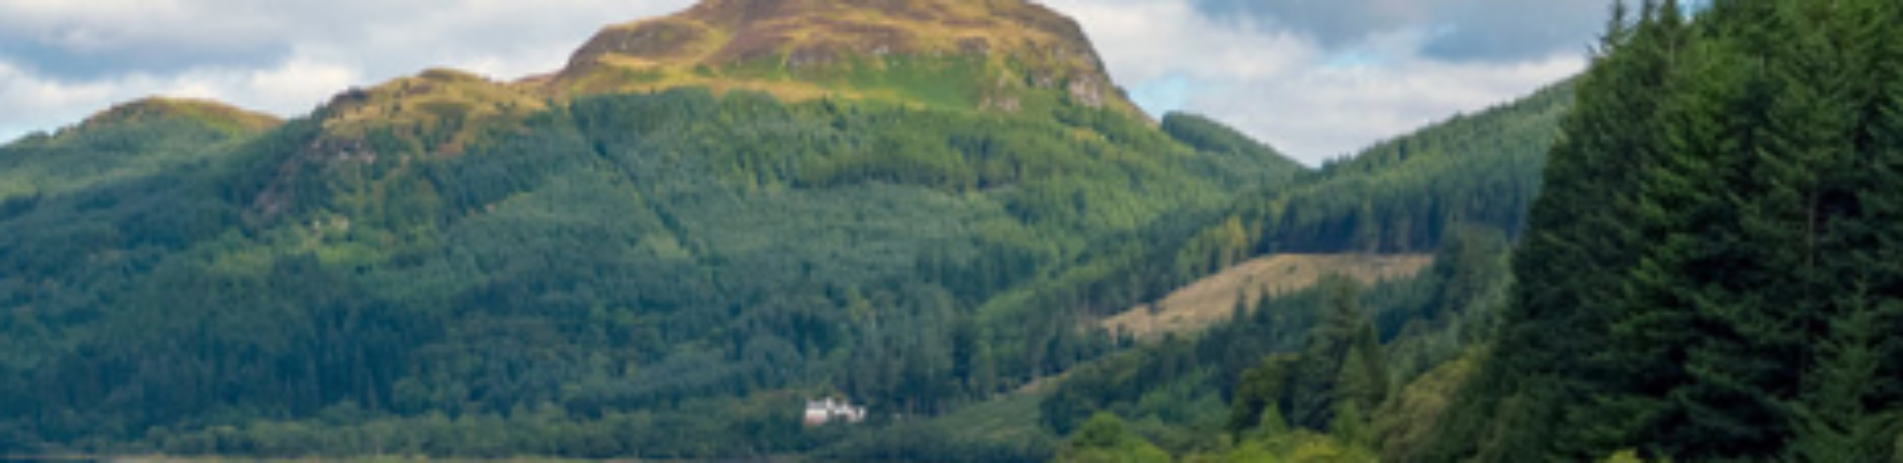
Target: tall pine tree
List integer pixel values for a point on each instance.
(1710, 270)
(1579, 243)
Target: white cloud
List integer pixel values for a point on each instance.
(1284, 88)
(31, 102)
(293, 87)
(61, 60)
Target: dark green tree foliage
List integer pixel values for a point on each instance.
(1699, 281)
(1341, 363)
(1339, 377)
(662, 275)
(1575, 255)
(1259, 397)
(1259, 367)
(1410, 194)
(108, 151)
(1469, 268)
(1105, 439)
(1240, 154)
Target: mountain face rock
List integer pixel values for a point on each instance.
(1004, 55)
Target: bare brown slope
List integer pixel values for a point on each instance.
(1213, 299)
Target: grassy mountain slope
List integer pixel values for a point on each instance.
(1004, 55)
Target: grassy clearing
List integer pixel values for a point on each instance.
(1213, 299)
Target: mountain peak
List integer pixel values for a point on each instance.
(988, 54)
(445, 106)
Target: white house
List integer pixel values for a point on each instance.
(822, 412)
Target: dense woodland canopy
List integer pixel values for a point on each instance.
(1712, 271)
(667, 254)
(604, 277)
(1708, 274)
(607, 276)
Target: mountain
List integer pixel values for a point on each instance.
(596, 263)
(1001, 55)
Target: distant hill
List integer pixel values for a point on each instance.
(130, 140)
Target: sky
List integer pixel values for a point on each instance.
(1317, 79)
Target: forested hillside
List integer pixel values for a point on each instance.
(1707, 275)
(1712, 273)
(1343, 371)
(435, 266)
(132, 140)
(1401, 196)
(444, 265)
(670, 261)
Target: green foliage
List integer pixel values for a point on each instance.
(1104, 439)
(1702, 261)
(1414, 193)
(668, 275)
(1240, 154)
(1256, 364)
(1624, 456)
(1406, 424)
(97, 154)
(1002, 429)
(1259, 396)
(1461, 187)
(1337, 352)
(1294, 447)
(620, 265)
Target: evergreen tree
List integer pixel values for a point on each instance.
(1358, 390)
(1567, 269)
(1259, 396)
(1343, 334)
(1834, 424)
(1716, 300)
